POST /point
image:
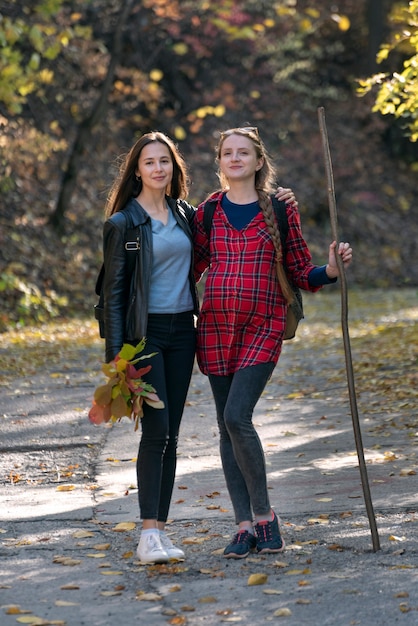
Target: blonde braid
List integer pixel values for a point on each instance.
(271, 223)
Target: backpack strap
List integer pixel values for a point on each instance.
(132, 242)
(279, 207)
(208, 211)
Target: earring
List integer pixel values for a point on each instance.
(137, 178)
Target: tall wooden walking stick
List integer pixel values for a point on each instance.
(346, 336)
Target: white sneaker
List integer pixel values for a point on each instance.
(172, 550)
(150, 550)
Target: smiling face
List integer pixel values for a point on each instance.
(238, 158)
(155, 166)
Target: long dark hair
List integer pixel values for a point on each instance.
(264, 182)
(127, 185)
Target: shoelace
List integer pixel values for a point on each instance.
(264, 531)
(166, 542)
(241, 537)
(153, 544)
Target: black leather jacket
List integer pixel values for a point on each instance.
(126, 300)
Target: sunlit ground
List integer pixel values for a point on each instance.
(383, 333)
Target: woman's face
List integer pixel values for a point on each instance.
(238, 158)
(155, 166)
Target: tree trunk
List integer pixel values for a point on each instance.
(85, 129)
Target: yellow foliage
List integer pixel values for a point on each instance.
(398, 94)
(181, 49)
(156, 75)
(179, 133)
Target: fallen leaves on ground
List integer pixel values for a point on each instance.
(257, 579)
(66, 560)
(124, 527)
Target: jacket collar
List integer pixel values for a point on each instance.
(138, 214)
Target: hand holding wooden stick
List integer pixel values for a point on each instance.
(340, 267)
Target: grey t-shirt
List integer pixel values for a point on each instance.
(170, 287)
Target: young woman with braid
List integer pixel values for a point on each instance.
(151, 189)
(242, 319)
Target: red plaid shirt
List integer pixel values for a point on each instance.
(243, 313)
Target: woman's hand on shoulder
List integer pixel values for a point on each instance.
(346, 253)
(286, 194)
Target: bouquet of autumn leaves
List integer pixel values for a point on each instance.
(124, 391)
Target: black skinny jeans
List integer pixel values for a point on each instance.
(173, 337)
(242, 454)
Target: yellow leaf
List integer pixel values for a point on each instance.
(96, 555)
(284, 612)
(110, 593)
(127, 555)
(15, 610)
(82, 534)
(65, 603)
(180, 48)
(65, 487)
(101, 546)
(103, 395)
(69, 587)
(272, 592)
(124, 526)
(257, 579)
(179, 133)
(119, 408)
(280, 564)
(207, 600)
(344, 23)
(156, 75)
(109, 572)
(149, 597)
(30, 619)
(407, 472)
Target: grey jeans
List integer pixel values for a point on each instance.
(242, 454)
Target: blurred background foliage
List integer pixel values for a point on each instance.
(80, 81)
